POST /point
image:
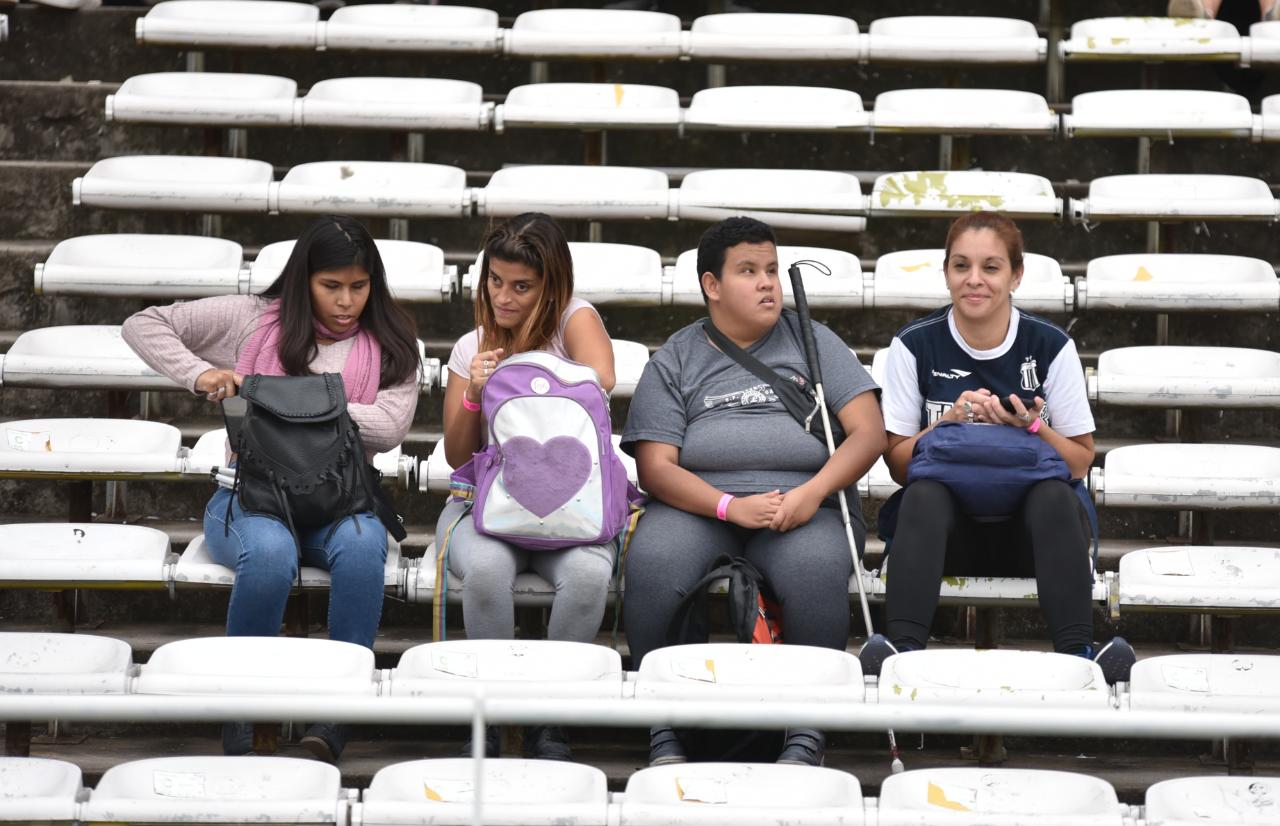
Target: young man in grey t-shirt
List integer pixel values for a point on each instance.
(729, 470)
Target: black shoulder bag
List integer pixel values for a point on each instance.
(301, 459)
(799, 400)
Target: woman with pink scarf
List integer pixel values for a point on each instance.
(329, 311)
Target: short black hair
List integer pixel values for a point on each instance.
(730, 232)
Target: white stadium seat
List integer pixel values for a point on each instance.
(1200, 578)
(945, 194)
(434, 471)
(141, 266)
(4, 27)
(1178, 282)
(963, 112)
(768, 36)
(412, 28)
(258, 665)
(416, 103)
(594, 33)
(960, 39)
(629, 359)
(956, 796)
(993, 677)
(1185, 476)
(1161, 197)
(594, 192)
(183, 182)
(1224, 801)
(776, 108)
(508, 668)
(1172, 376)
(1269, 119)
(617, 274)
(605, 273)
(589, 106)
(252, 789)
(368, 188)
(90, 356)
(83, 555)
(1262, 46)
(514, 793)
(784, 198)
(204, 99)
(196, 568)
(745, 794)
(258, 23)
(878, 485)
(39, 663)
(1206, 682)
(914, 279)
(718, 672)
(1159, 113)
(415, 271)
(1151, 39)
(35, 790)
(79, 448)
(842, 289)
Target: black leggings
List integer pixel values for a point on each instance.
(1048, 538)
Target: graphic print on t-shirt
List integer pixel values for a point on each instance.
(756, 394)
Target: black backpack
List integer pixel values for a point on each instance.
(755, 618)
(300, 456)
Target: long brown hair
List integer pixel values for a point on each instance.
(330, 243)
(535, 240)
(1002, 225)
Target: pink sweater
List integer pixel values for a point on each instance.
(183, 340)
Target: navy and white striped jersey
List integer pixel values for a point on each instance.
(930, 365)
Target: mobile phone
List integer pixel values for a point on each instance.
(1029, 404)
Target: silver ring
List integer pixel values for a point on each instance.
(1025, 418)
(968, 411)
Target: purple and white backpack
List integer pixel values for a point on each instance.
(548, 477)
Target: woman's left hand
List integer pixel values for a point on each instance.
(798, 507)
(992, 411)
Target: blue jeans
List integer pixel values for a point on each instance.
(262, 552)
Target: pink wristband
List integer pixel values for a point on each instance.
(722, 509)
(1034, 427)
(467, 404)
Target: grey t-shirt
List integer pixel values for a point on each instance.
(731, 429)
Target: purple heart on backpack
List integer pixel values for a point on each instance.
(542, 476)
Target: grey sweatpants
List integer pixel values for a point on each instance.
(807, 569)
(488, 568)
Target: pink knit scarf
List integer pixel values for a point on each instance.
(360, 375)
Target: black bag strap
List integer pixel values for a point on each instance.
(801, 404)
(690, 623)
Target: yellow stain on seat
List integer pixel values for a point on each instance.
(937, 797)
(679, 790)
(432, 794)
(915, 267)
(711, 667)
(1143, 274)
(617, 94)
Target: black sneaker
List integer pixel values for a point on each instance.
(804, 747)
(237, 739)
(874, 652)
(665, 747)
(1116, 659)
(546, 743)
(325, 741)
(492, 743)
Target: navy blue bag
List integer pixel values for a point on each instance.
(988, 467)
